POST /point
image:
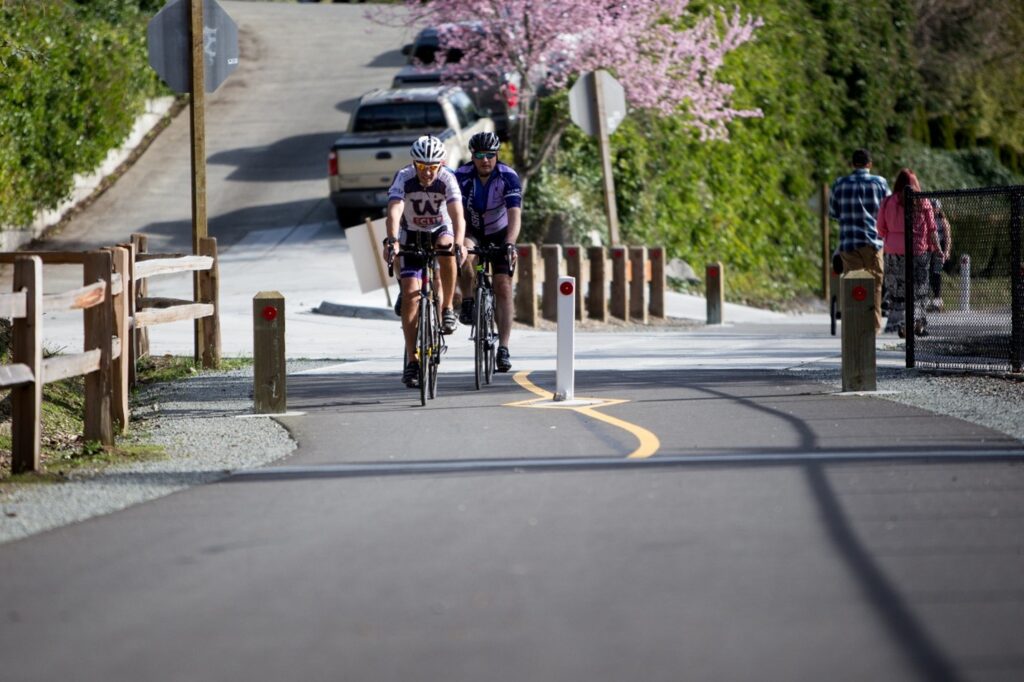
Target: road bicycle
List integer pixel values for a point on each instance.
(430, 343)
(484, 333)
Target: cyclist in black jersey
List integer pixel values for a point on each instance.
(492, 200)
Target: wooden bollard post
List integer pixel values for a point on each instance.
(858, 340)
(98, 321)
(209, 292)
(526, 285)
(638, 284)
(715, 286)
(552, 256)
(619, 306)
(656, 254)
(597, 292)
(269, 390)
(27, 349)
(574, 268)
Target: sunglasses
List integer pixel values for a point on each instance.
(420, 166)
(484, 155)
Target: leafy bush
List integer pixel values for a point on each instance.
(73, 78)
(830, 76)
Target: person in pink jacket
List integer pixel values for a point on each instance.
(892, 230)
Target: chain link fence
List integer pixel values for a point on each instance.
(968, 310)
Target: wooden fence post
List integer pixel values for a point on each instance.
(98, 323)
(715, 279)
(27, 348)
(575, 268)
(129, 345)
(270, 392)
(619, 306)
(597, 298)
(858, 340)
(141, 243)
(638, 283)
(209, 292)
(552, 255)
(526, 285)
(119, 365)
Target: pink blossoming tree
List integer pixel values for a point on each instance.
(666, 61)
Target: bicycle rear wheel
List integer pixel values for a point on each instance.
(423, 347)
(490, 336)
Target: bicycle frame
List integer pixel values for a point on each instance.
(430, 344)
(484, 333)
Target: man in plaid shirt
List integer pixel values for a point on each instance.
(854, 203)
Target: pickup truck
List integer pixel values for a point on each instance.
(363, 161)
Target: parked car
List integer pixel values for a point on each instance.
(362, 162)
(494, 95)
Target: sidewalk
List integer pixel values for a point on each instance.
(311, 266)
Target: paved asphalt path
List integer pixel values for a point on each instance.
(773, 530)
(787, 563)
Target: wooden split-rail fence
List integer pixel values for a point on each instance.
(116, 315)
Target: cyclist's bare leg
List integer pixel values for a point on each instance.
(449, 273)
(466, 273)
(503, 306)
(410, 314)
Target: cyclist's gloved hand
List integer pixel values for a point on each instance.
(510, 254)
(458, 256)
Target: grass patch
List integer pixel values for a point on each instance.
(63, 450)
(156, 369)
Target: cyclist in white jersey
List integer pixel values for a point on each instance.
(424, 204)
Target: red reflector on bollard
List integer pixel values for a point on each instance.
(269, 313)
(571, 253)
(566, 288)
(712, 272)
(859, 293)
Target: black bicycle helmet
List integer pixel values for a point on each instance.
(484, 142)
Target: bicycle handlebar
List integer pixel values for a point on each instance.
(413, 250)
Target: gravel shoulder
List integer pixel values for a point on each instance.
(197, 421)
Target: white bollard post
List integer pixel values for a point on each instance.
(566, 312)
(965, 282)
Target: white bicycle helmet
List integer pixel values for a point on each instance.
(428, 149)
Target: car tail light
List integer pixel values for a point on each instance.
(332, 163)
(511, 95)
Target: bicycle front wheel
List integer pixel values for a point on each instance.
(436, 341)
(479, 340)
(423, 347)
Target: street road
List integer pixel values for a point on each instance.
(715, 517)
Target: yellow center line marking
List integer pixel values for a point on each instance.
(649, 443)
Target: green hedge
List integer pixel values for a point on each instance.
(830, 76)
(73, 78)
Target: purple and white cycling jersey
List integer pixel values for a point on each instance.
(426, 208)
(487, 204)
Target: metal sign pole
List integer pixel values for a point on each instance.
(198, 133)
(606, 160)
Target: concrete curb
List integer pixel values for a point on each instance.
(13, 238)
(358, 311)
